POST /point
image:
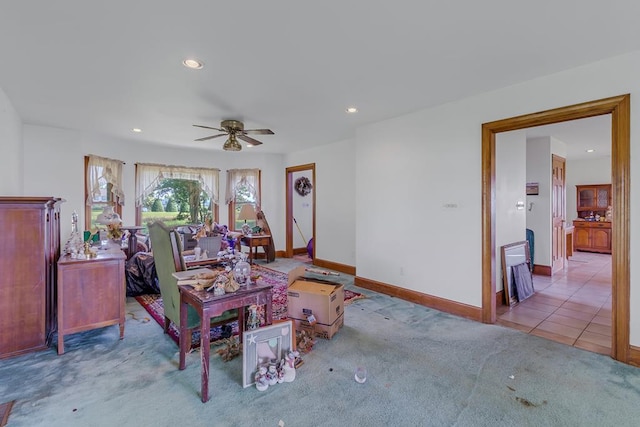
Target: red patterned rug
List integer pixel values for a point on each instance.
(153, 304)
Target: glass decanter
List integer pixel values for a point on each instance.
(242, 271)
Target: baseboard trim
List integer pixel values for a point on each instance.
(298, 251)
(442, 304)
(542, 270)
(634, 356)
(500, 298)
(342, 268)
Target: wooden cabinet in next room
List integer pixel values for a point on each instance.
(592, 236)
(593, 200)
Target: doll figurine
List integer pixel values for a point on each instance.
(272, 374)
(289, 367)
(262, 382)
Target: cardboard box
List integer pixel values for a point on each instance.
(321, 299)
(320, 330)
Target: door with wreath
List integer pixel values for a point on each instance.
(301, 211)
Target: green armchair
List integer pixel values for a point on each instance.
(167, 255)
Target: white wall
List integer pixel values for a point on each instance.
(335, 188)
(511, 165)
(539, 164)
(421, 161)
(56, 168)
(539, 217)
(585, 171)
(11, 183)
(418, 202)
(303, 213)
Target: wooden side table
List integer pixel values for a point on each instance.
(253, 242)
(132, 243)
(208, 306)
(91, 294)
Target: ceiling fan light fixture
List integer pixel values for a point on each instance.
(232, 144)
(235, 130)
(193, 63)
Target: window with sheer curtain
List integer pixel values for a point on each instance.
(243, 188)
(103, 187)
(192, 194)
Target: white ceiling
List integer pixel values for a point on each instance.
(288, 65)
(581, 135)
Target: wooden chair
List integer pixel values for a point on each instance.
(167, 255)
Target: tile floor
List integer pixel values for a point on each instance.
(572, 306)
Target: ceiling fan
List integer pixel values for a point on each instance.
(235, 129)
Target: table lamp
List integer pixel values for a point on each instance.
(247, 213)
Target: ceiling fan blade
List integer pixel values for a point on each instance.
(206, 138)
(248, 139)
(209, 127)
(258, 131)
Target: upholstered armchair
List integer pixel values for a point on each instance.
(167, 255)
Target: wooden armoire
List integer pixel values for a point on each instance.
(29, 251)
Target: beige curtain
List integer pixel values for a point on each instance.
(148, 177)
(245, 177)
(108, 169)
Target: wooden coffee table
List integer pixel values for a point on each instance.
(208, 306)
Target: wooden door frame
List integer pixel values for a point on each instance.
(619, 108)
(289, 207)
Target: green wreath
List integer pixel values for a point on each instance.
(303, 186)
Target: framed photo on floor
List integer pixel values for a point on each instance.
(512, 255)
(261, 346)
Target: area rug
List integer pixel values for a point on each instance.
(153, 304)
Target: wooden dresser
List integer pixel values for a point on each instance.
(91, 294)
(29, 250)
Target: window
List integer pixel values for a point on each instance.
(176, 195)
(243, 188)
(103, 187)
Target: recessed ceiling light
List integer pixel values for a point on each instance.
(193, 63)
(136, 130)
(590, 150)
(352, 110)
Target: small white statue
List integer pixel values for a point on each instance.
(290, 367)
(262, 382)
(219, 288)
(272, 374)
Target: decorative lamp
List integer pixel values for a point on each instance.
(108, 216)
(247, 213)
